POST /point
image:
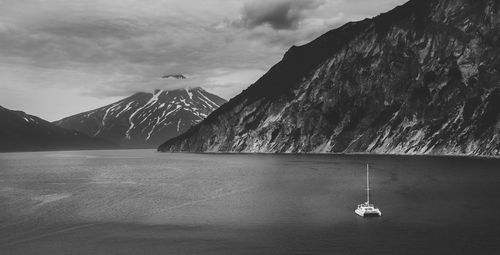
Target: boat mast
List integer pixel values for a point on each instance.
(367, 185)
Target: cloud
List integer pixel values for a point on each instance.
(222, 79)
(96, 28)
(310, 28)
(174, 76)
(101, 50)
(279, 15)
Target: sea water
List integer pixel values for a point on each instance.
(145, 202)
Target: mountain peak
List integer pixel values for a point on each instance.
(20, 131)
(156, 91)
(421, 78)
(146, 119)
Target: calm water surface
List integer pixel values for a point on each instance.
(144, 202)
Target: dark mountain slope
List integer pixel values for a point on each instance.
(23, 132)
(422, 78)
(146, 119)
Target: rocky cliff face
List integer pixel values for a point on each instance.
(146, 119)
(423, 78)
(23, 132)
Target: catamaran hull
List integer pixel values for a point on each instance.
(367, 214)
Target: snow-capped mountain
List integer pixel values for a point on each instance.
(423, 78)
(146, 119)
(23, 132)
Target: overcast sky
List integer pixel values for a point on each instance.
(61, 57)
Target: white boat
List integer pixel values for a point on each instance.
(367, 209)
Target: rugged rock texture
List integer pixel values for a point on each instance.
(146, 119)
(23, 132)
(423, 78)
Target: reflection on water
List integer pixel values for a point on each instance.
(143, 202)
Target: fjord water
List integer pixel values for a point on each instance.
(144, 202)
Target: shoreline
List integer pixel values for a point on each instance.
(339, 154)
(276, 153)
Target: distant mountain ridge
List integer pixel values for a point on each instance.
(23, 132)
(146, 119)
(423, 78)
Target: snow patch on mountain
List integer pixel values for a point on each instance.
(145, 119)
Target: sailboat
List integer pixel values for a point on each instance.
(367, 209)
